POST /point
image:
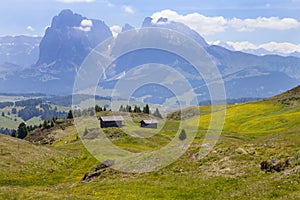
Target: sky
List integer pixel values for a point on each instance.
(269, 24)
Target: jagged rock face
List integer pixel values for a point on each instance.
(69, 39)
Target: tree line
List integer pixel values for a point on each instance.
(137, 109)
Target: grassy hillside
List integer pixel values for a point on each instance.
(266, 130)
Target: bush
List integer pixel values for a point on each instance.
(182, 135)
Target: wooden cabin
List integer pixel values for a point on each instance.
(151, 123)
(111, 121)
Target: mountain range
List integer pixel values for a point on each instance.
(51, 68)
(17, 53)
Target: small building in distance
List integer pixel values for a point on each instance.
(111, 121)
(151, 123)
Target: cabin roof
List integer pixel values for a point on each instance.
(150, 121)
(111, 118)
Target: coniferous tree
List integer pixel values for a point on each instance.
(70, 115)
(14, 111)
(13, 133)
(121, 109)
(85, 132)
(45, 124)
(135, 109)
(22, 131)
(98, 108)
(157, 113)
(92, 112)
(146, 109)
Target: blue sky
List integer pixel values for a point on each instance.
(267, 24)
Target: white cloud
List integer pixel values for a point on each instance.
(263, 23)
(200, 23)
(86, 23)
(84, 29)
(244, 45)
(212, 25)
(128, 9)
(284, 48)
(76, 1)
(115, 30)
(29, 28)
(109, 4)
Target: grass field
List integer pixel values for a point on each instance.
(253, 132)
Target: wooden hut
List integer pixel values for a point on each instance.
(111, 121)
(151, 123)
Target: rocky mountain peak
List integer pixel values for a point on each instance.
(66, 18)
(69, 39)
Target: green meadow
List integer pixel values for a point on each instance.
(253, 132)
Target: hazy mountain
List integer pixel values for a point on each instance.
(19, 50)
(245, 75)
(17, 53)
(71, 37)
(262, 83)
(259, 51)
(127, 27)
(233, 61)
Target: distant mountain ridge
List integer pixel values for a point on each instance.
(71, 37)
(19, 50)
(17, 53)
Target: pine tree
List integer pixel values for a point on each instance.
(22, 131)
(121, 109)
(13, 133)
(14, 111)
(135, 109)
(92, 113)
(70, 115)
(45, 124)
(85, 132)
(98, 108)
(157, 113)
(146, 109)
